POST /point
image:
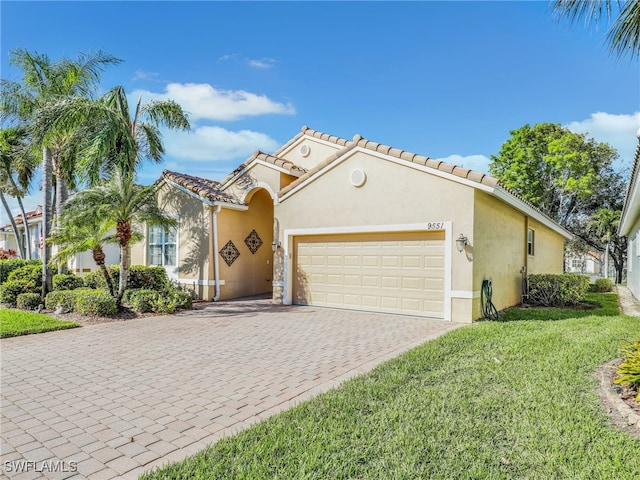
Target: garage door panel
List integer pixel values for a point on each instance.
(388, 272)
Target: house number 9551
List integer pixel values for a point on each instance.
(435, 225)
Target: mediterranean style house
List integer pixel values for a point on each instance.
(352, 224)
(630, 225)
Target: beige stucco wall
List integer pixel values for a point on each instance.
(392, 195)
(499, 251)
(318, 152)
(249, 274)
(193, 237)
(548, 255)
(257, 176)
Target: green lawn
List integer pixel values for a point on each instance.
(606, 304)
(18, 322)
(494, 400)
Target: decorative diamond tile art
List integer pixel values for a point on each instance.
(253, 241)
(229, 252)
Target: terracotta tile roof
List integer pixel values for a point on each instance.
(290, 167)
(359, 141)
(207, 189)
(313, 133)
(426, 161)
(32, 214)
(472, 175)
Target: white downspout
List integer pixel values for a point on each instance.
(216, 264)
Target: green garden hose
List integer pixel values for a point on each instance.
(489, 310)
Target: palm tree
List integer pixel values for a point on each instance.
(17, 166)
(44, 81)
(123, 204)
(604, 223)
(115, 142)
(81, 230)
(623, 35)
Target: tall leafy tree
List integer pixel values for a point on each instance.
(623, 15)
(116, 141)
(17, 167)
(555, 169)
(45, 81)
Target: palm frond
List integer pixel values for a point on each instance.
(624, 35)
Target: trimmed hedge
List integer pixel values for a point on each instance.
(140, 277)
(152, 278)
(31, 274)
(10, 290)
(604, 285)
(83, 300)
(142, 300)
(95, 302)
(8, 266)
(28, 301)
(550, 290)
(96, 279)
(66, 298)
(146, 300)
(67, 281)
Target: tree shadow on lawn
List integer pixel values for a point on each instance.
(599, 304)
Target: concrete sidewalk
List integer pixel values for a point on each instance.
(114, 400)
(628, 303)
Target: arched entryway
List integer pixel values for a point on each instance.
(257, 221)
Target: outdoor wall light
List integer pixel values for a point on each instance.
(275, 245)
(461, 242)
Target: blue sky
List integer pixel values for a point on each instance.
(444, 79)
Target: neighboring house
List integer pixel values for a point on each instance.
(8, 238)
(589, 263)
(354, 224)
(630, 226)
(79, 264)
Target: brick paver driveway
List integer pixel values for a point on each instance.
(114, 400)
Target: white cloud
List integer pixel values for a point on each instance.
(203, 101)
(619, 131)
(142, 75)
(217, 144)
(479, 163)
(262, 63)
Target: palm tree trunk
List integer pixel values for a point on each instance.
(27, 233)
(98, 257)
(60, 197)
(47, 173)
(124, 273)
(13, 224)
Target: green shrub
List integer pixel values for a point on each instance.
(66, 298)
(31, 274)
(28, 301)
(550, 290)
(64, 281)
(181, 298)
(142, 300)
(96, 279)
(604, 285)
(94, 302)
(10, 290)
(152, 278)
(8, 266)
(629, 369)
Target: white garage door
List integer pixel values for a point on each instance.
(387, 272)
